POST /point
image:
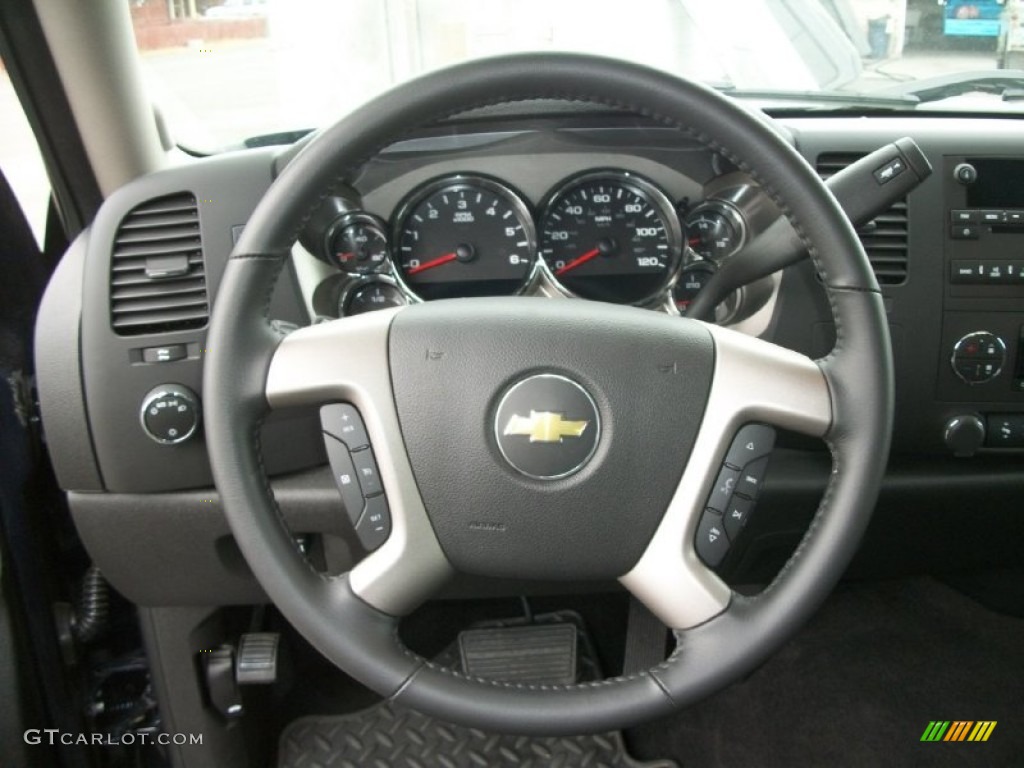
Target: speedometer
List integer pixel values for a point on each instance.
(465, 236)
(611, 236)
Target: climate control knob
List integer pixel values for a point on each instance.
(170, 414)
(965, 434)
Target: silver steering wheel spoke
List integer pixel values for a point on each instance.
(347, 361)
(754, 381)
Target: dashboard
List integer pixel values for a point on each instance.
(568, 204)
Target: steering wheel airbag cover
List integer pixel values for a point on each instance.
(649, 375)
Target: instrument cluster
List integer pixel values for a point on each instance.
(605, 235)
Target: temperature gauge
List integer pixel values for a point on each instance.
(715, 230)
(358, 244)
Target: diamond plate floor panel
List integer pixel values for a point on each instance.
(386, 736)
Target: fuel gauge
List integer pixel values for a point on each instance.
(371, 296)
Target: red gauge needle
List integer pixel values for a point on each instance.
(432, 263)
(693, 241)
(578, 261)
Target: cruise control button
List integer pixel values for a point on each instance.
(749, 483)
(736, 516)
(724, 487)
(366, 469)
(712, 542)
(374, 526)
(344, 422)
(751, 443)
(345, 478)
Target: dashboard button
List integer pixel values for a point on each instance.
(980, 346)
(736, 516)
(366, 469)
(1015, 217)
(967, 272)
(963, 216)
(976, 371)
(725, 485)
(345, 478)
(165, 354)
(890, 170)
(1005, 430)
(712, 543)
(344, 422)
(749, 483)
(374, 526)
(964, 232)
(752, 442)
(992, 217)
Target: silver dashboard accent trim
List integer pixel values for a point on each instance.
(753, 381)
(347, 360)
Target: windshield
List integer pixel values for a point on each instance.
(223, 71)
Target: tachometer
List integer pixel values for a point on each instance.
(465, 236)
(611, 236)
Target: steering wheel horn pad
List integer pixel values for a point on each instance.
(430, 418)
(648, 375)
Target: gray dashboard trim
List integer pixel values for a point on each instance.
(59, 374)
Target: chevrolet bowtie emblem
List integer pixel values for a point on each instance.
(544, 427)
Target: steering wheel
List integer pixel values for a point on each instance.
(439, 386)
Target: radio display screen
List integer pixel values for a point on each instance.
(1000, 183)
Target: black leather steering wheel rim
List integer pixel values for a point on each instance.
(363, 640)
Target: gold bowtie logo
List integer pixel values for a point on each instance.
(544, 427)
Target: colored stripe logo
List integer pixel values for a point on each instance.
(958, 730)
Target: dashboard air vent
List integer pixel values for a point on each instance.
(885, 237)
(157, 275)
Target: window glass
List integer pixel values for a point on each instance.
(224, 70)
(20, 160)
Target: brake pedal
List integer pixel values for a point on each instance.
(535, 653)
(257, 658)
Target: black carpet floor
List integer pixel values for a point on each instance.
(859, 685)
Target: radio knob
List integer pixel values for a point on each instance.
(170, 414)
(964, 435)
